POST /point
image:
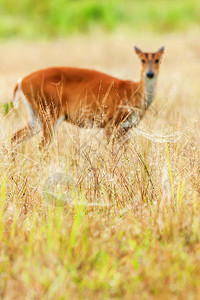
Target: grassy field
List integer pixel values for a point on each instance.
(125, 225)
(57, 18)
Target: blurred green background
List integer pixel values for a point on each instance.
(58, 18)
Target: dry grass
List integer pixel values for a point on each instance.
(125, 225)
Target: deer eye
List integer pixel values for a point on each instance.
(143, 61)
(157, 61)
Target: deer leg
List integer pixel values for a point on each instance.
(47, 134)
(49, 129)
(108, 132)
(20, 136)
(30, 129)
(23, 134)
(123, 137)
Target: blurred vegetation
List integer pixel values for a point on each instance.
(52, 18)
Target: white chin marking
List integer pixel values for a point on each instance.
(149, 88)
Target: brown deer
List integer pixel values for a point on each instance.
(87, 98)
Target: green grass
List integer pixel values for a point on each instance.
(141, 243)
(84, 253)
(57, 18)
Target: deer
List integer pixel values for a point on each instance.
(86, 98)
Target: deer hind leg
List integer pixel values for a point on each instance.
(50, 126)
(30, 129)
(22, 134)
(47, 134)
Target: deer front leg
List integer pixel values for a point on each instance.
(109, 133)
(132, 121)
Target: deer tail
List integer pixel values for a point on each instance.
(16, 92)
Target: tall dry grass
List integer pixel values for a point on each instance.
(80, 220)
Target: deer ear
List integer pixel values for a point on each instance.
(161, 50)
(137, 50)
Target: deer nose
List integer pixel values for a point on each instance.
(150, 74)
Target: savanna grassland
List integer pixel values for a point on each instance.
(120, 225)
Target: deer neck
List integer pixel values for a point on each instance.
(149, 86)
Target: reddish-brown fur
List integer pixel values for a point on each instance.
(84, 97)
